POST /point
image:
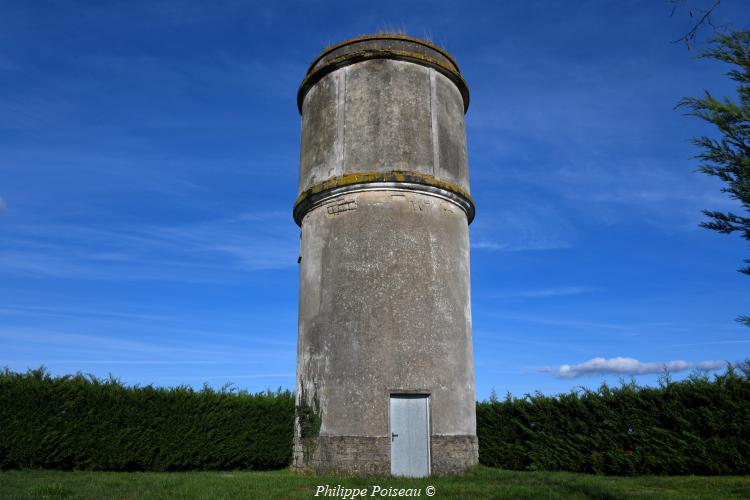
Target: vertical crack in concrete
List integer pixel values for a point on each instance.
(433, 125)
(340, 116)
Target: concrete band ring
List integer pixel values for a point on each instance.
(364, 55)
(366, 38)
(318, 195)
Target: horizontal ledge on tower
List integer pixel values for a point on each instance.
(382, 181)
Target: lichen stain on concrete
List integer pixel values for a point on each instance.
(307, 413)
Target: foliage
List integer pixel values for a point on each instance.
(695, 426)
(481, 482)
(309, 421)
(308, 415)
(728, 158)
(81, 422)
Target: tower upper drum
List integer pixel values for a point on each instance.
(398, 120)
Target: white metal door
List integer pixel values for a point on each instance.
(410, 454)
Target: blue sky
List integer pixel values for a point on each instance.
(148, 167)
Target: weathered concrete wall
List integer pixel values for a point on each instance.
(384, 275)
(383, 115)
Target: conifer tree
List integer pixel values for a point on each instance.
(728, 157)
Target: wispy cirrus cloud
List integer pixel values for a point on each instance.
(629, 366)
(485, 338)
(212, 250)
(612, 164)
(521, 226)
(579, 324)
(542, 293)
(230, 377)
(191, 327)
(715, 342)
(33, 345)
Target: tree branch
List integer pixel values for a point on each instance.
(705, 19)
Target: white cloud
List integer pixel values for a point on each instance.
(630, 366)
(714, 364)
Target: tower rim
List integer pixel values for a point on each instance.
(322, 65)
(383, 36)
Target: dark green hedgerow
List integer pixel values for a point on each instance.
(79, 422)
(695, 426)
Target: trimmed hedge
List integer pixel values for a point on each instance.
(695, 426)
(79, 422)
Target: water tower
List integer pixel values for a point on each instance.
(385, 371)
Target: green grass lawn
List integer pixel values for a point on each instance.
(481, 482)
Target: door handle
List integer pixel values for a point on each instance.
(393, 436)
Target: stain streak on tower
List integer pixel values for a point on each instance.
(385, 373)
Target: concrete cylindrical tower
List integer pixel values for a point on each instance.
(385, 371)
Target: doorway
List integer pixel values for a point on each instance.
(410, 435)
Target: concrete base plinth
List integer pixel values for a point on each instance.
(351, 454)
(453, 454)
(372, 455)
